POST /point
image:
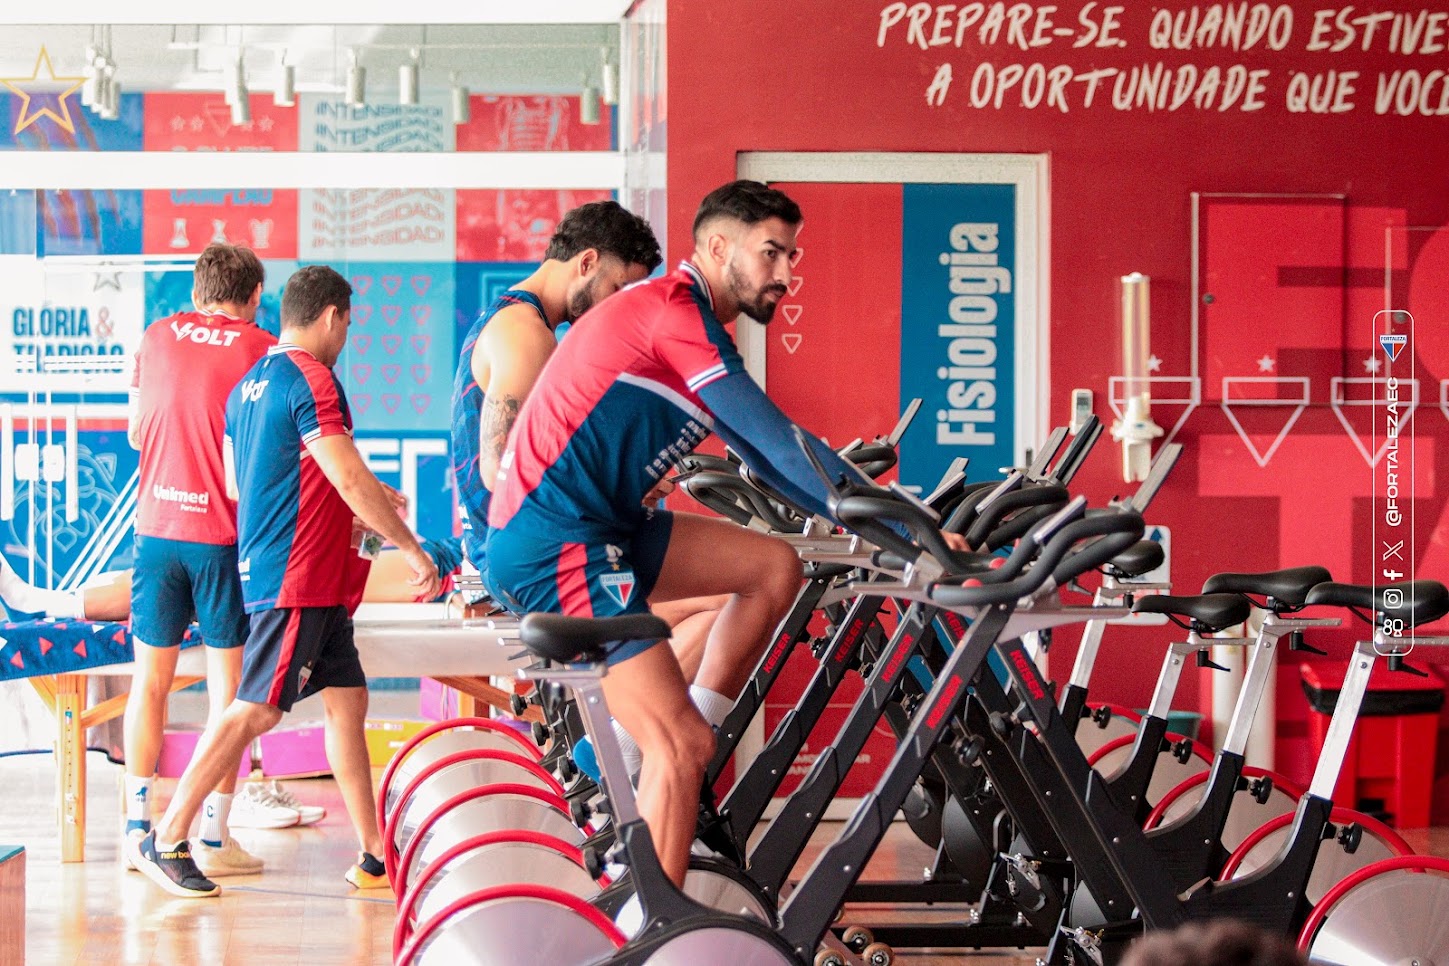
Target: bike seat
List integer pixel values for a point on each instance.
(581, 640)
(1209, 612)
(1140, 558)
(1287, 588)
(1412, 601)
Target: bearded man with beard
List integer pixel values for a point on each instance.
(632, 390)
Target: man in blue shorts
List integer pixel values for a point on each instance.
(597, 249)
(647, 377)
(186, 366)
(300, 480)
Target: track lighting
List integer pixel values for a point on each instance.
(589, 105)
(462, 109)
(407, 81)
(610, 81)
(285, 94)
(111, 101)
(356, 83)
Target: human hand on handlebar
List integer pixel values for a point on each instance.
(661, 489)
(955, 541)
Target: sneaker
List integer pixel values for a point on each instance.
(255, 807)
(307, 814)
(360, 878)
(173, 870)
(229, 859)
(129, 841)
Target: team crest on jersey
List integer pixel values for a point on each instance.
(302, 678)
(619, 586)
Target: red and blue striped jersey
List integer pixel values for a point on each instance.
(294, 530)
(616, 407)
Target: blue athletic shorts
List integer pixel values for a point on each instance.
(297, 651)
(583, 575)
(176, 579)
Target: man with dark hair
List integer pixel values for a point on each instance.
(289, 452)
(638, 386)
(596, 249)
(1221, 942)
(186, 560)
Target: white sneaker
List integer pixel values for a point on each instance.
(129, 842)
(229, 859)
(255, 807)
(309, 814)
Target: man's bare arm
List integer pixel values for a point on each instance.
(507, 361)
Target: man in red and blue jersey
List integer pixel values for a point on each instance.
(186, 561)
(647, 376)
(301, 481)
(596, 249)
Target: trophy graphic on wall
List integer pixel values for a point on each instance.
(178, 233)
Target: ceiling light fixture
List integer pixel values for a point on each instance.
(285, 93)
(356, 82)
(407, 81)
(610, 81)
(589, 104)
(462, 106)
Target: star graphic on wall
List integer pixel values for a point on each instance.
(28, 114)
(107, 280)
(1371, 365)
(1265, 364)
(265, 124)
(1154, 364)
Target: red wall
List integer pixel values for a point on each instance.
(810, 76)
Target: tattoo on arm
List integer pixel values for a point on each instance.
(494, 423)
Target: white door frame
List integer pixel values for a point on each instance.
(1027, 172)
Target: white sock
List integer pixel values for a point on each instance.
(714, 706)
(213, 819)
(138, 802)
(633, 757)
(24, 597)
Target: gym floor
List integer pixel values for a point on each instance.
(298, 912)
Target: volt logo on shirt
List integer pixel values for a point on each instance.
(203, 335)
(619, 586)
(252, 389)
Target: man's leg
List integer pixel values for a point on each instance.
(143, 725)
(648, 697)
(163, 855)
(761, 574)
(346, 713)
(690, 620)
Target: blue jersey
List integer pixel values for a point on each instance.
(294, 530)
(468, 398)
(649, 374)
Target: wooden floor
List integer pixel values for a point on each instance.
(298, 912)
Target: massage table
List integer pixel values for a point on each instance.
(393, 640)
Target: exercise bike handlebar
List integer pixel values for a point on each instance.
(990, 517)
(1110, 534)
(722, 492)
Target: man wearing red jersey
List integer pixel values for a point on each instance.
(186, 557)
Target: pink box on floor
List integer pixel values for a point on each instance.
(297, 752)
(436, 702)
(178, 746)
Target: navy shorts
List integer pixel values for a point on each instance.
(606, 574)
(297, 651)
(176, 579)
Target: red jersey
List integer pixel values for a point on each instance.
(185, 368)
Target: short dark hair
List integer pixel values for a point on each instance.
(1220, 942)
(748, 202)
(226, 273)
(308, 293)
(610, 229)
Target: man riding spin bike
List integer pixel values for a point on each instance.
(646, 378)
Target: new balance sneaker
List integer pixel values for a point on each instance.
(368, 873)
(229, 859)
(255, 807)
(129, 841)
(307, 814)
(173, 870)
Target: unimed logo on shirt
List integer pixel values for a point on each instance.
(186, 500)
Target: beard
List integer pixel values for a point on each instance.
(582, 300)
(758, 303)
